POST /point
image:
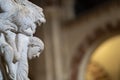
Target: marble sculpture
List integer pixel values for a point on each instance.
(18, 22)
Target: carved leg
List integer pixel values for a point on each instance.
(11, 39)
(22, 45)
(8, 56)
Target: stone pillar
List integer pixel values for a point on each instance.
(48, 53)
(57, 48)
(53, 58)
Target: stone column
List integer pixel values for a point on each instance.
(55, 56)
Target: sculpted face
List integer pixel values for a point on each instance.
(34, 51)
(36, 46)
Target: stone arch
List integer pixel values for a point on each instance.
(89, 44)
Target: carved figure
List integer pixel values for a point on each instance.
(8, 9)
(18, 22)
(7, 51)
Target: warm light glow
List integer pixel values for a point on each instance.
(108, 56)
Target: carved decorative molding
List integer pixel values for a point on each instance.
(97, 36)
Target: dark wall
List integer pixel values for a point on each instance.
(82, 6)
(44, 3)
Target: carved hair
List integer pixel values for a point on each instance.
(35, 41)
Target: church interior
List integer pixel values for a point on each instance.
(82, 40)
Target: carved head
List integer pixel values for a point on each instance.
(35, 11)
(35, 47)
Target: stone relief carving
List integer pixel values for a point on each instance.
(18, 22)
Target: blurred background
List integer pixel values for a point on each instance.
(82, 40)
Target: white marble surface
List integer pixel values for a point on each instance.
(18, 22)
